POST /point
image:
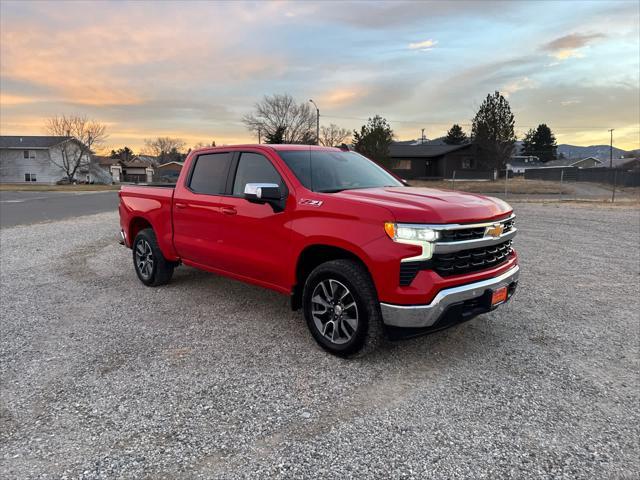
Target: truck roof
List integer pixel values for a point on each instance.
(277, 147)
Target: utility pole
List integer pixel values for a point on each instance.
(317, 122)
(611, 149)
(615, 172)
(422, 137)
(259, 135)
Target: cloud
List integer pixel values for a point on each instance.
(568, 46)
(342, 96)
(424, 45)
(517, 85)
(400, 14)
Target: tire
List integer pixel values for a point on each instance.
(151, 267)
(327, 298)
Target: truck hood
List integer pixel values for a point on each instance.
(430, 205)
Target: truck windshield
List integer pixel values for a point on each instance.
(332, 171)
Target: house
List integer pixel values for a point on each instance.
(108, 165)
(624, 163)
(428, 161)
(139, 170)
(36, 159)
(169, 172)
(588, 162)
(148, 159)
(519, 163)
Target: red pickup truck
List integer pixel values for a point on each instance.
(362, 254)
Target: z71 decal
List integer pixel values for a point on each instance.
(312, 203)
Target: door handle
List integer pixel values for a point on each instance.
(229, 210)
(181, 205)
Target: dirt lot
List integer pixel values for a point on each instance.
(533, 189)
(516, 185)
(210, 378)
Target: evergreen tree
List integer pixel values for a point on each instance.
(124, 154)
(541, 143)
(528, 143)
(277, 136)
(455, 136)
(493, 131)
(373, 140)
(545, 143)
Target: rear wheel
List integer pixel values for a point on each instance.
(341, 308)
(151, 266)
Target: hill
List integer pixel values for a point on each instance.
(601, 152)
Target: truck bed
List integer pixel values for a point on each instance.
(146, 205)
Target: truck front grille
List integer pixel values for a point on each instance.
(467, 261)
(473, 233)
(458, 263)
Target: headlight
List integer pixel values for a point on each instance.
(406, 231)
(413, 235)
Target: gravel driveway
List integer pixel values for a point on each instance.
(207, 377)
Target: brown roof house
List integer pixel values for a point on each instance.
(436, 161)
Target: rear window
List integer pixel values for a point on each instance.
(210, 173)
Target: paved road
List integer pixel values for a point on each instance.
(211, 378)
(21, 208)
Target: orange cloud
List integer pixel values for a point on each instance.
(8, 99)
(342, 96)
(568, 46)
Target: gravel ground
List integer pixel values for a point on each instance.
(210, 378)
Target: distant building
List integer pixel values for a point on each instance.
(169, 172)
(588, 162)
(35, 159)
(148, 159)
(101, 165)
(428, 161)
(139, 169)
(519, 163)
(624, 163)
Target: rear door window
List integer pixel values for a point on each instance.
(209, 175)
(255, 168)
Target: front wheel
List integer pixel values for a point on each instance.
(341, 308)
(151, 266)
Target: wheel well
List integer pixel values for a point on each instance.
(135, 226)
(309, 259)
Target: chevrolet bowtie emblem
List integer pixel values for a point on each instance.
(495, 230)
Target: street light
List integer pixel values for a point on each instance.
(317, 122)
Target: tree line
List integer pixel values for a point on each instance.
(280, 119)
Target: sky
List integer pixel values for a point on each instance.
(192, 69)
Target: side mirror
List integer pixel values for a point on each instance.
(262, 191)
(265, 193)
(405, 182)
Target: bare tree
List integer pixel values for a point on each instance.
(279, 116)
(333, 135)
(75, 154)
(163, 147)
(203, 144)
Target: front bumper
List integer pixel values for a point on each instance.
(471, 299)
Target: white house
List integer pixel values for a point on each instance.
(37, 159)
(519, 163)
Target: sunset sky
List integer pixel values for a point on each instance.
(192, 69)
